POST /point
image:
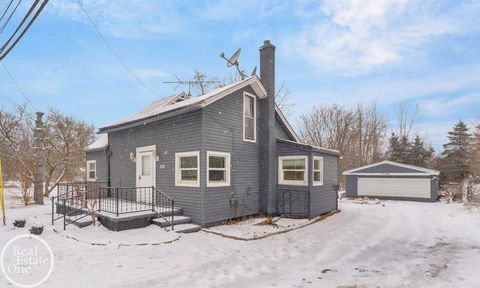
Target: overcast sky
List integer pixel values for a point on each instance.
(392, 52)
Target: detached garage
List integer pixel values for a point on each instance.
(392, 180)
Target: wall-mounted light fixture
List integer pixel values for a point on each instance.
(132, 157)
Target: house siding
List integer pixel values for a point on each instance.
(292, 199)
(324, 198)
(170, 136)
(308, 201)
(100, 158)
(223, 132)
(280, 130)
(352, 187)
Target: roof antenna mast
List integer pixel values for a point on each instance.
(191, 83)
(233, 61)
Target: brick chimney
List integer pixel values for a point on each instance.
(268, 176)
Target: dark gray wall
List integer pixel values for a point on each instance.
(101, 159)
(324, 198)
(351, 187)
(223, 132)
(308, 201)
(292, 199)
(179, 134)
(388, 168)
(280, 130)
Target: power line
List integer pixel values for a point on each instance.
(37, 13)
(115, 53)
(18, 86)
(6, 9)
(10, 16)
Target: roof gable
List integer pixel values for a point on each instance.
(202, 101)
(391, 168)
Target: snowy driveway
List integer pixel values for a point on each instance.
(391, 244)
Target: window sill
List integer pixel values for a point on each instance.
(293, 184)
(218, 185)
(183, 184)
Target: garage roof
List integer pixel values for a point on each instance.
(387, 168)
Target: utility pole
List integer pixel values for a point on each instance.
(38, 135)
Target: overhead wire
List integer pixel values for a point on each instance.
(120, 60)
(10, 16)
(37, 13)
(6, 9)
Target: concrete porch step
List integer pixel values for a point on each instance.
(168, 212)
(177, 220)
(187, 228)
(84, 222)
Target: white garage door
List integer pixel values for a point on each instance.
(394, 187)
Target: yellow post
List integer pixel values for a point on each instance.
(2, 195)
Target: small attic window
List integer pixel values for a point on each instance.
(249, 117)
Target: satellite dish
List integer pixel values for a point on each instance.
(254, 72)
(233, 60)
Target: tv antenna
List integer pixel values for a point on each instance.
(233, 61)
(191, 83)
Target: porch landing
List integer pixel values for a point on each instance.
(131, 219)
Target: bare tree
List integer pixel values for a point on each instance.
(407, 121)
(65, 139)
(357, 133)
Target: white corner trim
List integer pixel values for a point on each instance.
(227, 169)
(246, 94)
(282, 181)
(429, 171)
(317, 183)
(178, 174)
(88, 170)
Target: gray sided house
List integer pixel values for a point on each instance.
(392, 180)
(225, 154)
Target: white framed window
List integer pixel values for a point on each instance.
(293, 170)
(92, 170)
(187, 169)
(317, 171)
(218, 169)
(249, 117)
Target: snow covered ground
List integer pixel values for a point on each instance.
(386, 244)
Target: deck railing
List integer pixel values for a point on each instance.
(89, 197)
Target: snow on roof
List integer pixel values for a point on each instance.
(100, 143)
(158, 108)
(321, 149)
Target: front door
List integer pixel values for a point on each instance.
(145, 160)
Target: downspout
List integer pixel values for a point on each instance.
(203, 175)
(108, 153)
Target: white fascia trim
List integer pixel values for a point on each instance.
(254, 140)
(281, 181)
(227, 170)
(252, 80)
(178, 174)
(286, 123)
(390, 174)
(88, 170)
(317, 183)
(429, 171)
